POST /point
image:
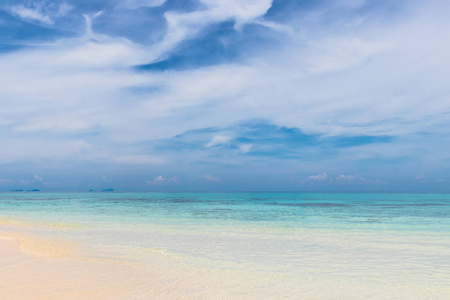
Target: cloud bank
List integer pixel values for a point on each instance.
(262, 93)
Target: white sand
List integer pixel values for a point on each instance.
(41, 268)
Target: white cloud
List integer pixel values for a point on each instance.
(133, 4)
(345, 177)
(33, 14)
(276, 26)
(365, 78)
(88, 18)
(319, 177)
(245, 148)
(242, 11)
(347, 52)
(38, 178)
(64, 9)
(182, 26)
(160, 180)
(351, 179)
(218, 140)
(39, 12)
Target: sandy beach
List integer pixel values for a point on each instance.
(31, 269)
(223, 246)
(43, 276)
(224, 150)
(37, 272)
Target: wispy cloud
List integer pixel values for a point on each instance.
(33, 14)
(338, 87)
(39, 11)
(218, 140)
(134, 4)
(88, 19)
(356, 179)
(160, 180)
(157, 180)
(38, 178)
(182, 26)
(319, 177)
(245, 148)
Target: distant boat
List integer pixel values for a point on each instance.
(21, 190)
(33, 190)
(108, 190)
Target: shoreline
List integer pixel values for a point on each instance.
(31, 272)
(224, 247)
(32, 277)
(38, 277)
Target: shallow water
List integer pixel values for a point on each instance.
(316, 245)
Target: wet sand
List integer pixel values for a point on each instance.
(26, 276)
(48, 273)
(40, 268)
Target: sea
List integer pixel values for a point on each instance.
(273, 245)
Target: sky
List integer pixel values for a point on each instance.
(225, 95)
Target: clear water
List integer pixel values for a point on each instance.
(400, 242)
(285, 210)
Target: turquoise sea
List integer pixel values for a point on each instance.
(371, 211)
(397, 241)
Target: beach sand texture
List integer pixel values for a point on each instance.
(47, 270)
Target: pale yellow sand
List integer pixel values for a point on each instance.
(37, 267)
(55, 273)
(38, 277)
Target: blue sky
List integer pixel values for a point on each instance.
(225, 95)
